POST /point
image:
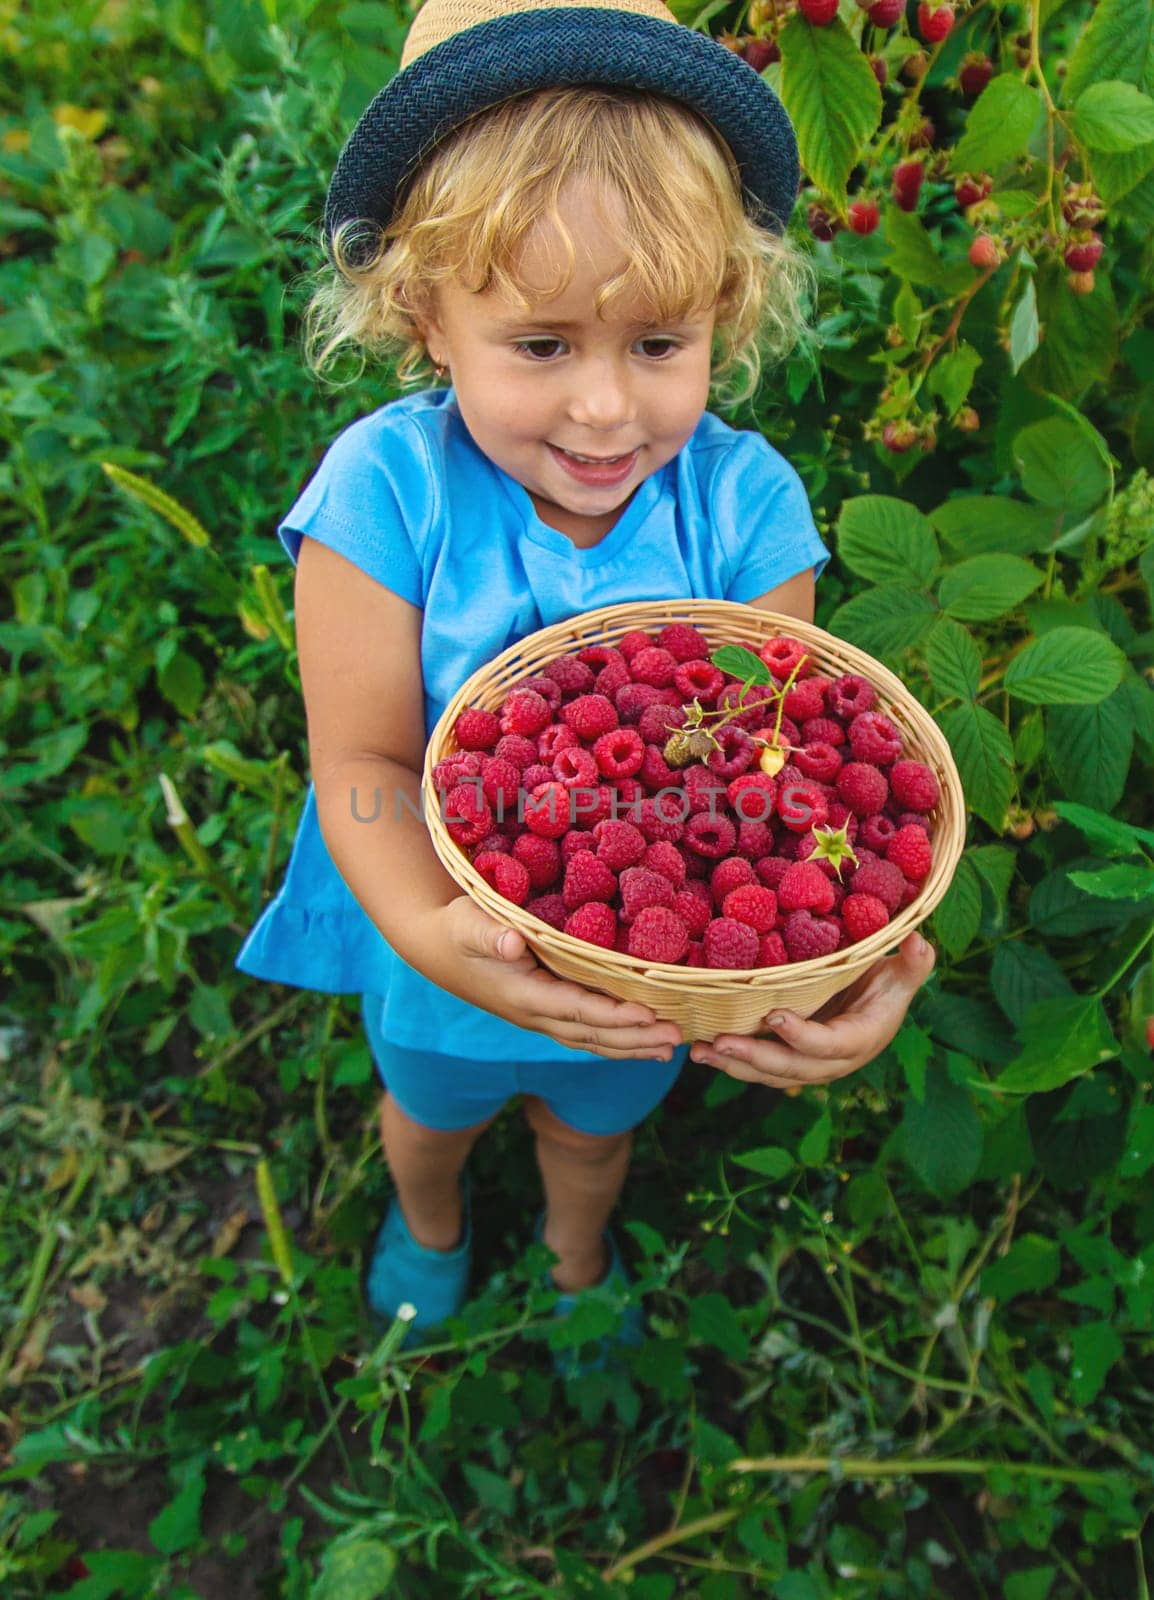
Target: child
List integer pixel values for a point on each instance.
(588, 259)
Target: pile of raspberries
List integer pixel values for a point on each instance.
(791, 828)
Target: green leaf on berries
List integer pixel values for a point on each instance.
(1090, 748)
(1061, 1039)
(981, 524)
(995, 866)
(942, 1136)
(1058, 908)
(1081, 341)
(1069, 666)
(886, 540)
(959, 912)
(833, 99)
(954, 660)
(912, 255)
(1117, 44)
(1114, 116)
(1022, 974)
(1119, 882)
(998, 126)
(1107, 834)
(741, 663)
(1061, 465)
(985, 757)
(1024, 332)
(986, 587)
(952, 376)
(886, 620)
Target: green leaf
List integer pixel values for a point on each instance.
(1031, 1263)
(998, 125)
(986, 587)
(1024, 327)
(1119, 174)
(914, 1049)
(959, 912)
(1058, 908)
(833, 99)
(1060, 465)
(1062, 1039)
(910, 252)
(994, 864)
(491, 1490)
(1068, 666)
(1117, 44)
(1106, 834)
(1081, 341)
(985, 757)
(181, 682)
(954, 660)
(713, 1320)
(989, 524)
(1119, 882)
(362, 1569)
(886, 540)
(942, 1137)
(52, 753)
(1095, 1348)
(952, 375)
(177, 1527)
(1115, 116)
(813, 1150)
(741, 663)
(1021, 974)
(884, 621)
(1090, 749)
(771, 1161)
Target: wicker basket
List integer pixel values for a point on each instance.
(704, 1002)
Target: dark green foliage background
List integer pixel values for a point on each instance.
(926, 1291)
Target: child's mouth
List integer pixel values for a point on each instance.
(601, 472)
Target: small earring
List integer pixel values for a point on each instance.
(440, 371)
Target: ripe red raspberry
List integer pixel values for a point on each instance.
(572, 676)
(595, 922)
(665, 858)
(850, 695)
(491, 842)
(548, 688)
(515, 747)
(911, 851)
(619, 754)
(476, 729)
(699, 680)
(802, 806)
(656, 723)
(503, 873)
(862, 787)
(863, 914)
(547, 810)
(876, 832)
(760, 52)
(976, 72)
(807, 937)
(658, 934)
(447, 774)
(915, 819)
(619, 844)
(574, 841)
(864, 216)
(822, 730)
(934, 24)
(711, 837)
(500, 781)
(611, 679)
(754, 839)
(537, 774)
(805, 887)
(702, 790)
(818, 761)
(782, 654)
(633, 641)
(693, 911)
(550, 908)
(695, 955)
(734, 872)
(806, 698)
(1082, 255)
(641, 888)
(656, 773)
(771, 951)
(752, 796)
(733, 696)
(985, 252)
(683, 641)
(914, 785)
(730, 944)
(820, 13)
(524, 712)
(540, 857)
(553, 739)
(599, 655)
(587, 879)
(590, 715)
(735, 756)
(466, 814)
(575, 767)
(886, 13)
(659, 817)
(752, 904)
(634, 698)
(908, 177)
(873, 737)
(771, 870)
(653, 666)
(970, 190)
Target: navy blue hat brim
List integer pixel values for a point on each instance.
(557, 46)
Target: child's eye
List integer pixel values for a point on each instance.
(532, 348)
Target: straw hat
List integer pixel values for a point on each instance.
(462, 56)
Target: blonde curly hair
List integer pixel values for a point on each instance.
(465, 212)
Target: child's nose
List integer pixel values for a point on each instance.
(602, 397)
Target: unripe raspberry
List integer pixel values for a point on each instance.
(908, 178)
(864, 216)
(923, 135)
(819, 12)
(1080, 282)
(1081, 207)
(1082, 254)
(822, 225)
(760, 52)
(914, 67)
(935, 25)
(985, 252)
(898, 437)
(886, 13)
(977, 70)
(967, 420)
(881, 72)
(970, 190)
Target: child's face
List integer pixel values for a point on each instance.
(528, 392)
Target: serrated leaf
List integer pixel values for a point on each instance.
(1059, 909)
(1068, 666)
(914, 1049)
(910, 252)
(1114, 116)
(998, 126)
(952, 376)
(1062, 1039)
(1031, 1263)
(741, 663)
(1107, 834)
(1117, 883)
(833, 99)
(177, 1526)
(1119, 174)
(1024, 327)
(1095, 1347)
(886, 540)
(771, 1161)
(813, 1150)
(1060, 465)
(984, 756)
(994, 864)
(1021, 974)
(986, 587)
(954, 660)
(1090, 749)
(886, 620)
(1116, 44)
(713, 1320)
(959, 912)
(988, 524)
(942, 1136)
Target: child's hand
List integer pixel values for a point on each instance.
(494, 969)
(846, 1032)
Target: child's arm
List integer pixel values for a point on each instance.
(857, 1024)
(360, 664)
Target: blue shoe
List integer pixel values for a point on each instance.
(435, 1281)
(629, 1332)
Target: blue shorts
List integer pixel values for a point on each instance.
(593, 1095)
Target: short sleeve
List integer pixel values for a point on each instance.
(371, 499)
(761, 513)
